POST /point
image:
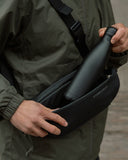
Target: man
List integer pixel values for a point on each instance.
(39, 50)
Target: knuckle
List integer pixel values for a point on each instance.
(39, 133)
(122, 41)
(43, 134)
(40, 111)
(32, 102)
(120, 25)
(123, 30)
(54, 116)
(53, 130)
(27, 131)
(121, 48)
(57, 117)
(29, 127)
(124, 47)
(45, 115)
(33, 134)
(116, 38)
(35, 120)
(43, 112)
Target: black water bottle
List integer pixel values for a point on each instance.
(92, 66)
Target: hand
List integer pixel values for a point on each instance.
(30, 118)
(120, 39)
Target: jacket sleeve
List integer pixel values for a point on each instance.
(118, 59)
(11, 13)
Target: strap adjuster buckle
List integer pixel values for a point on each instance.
(78, 33)
(75, 26)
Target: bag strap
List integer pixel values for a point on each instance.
(74, 26)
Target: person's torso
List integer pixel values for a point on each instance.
(45, 51)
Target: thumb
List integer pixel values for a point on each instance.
(102, 32)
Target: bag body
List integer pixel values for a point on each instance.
(84, 108)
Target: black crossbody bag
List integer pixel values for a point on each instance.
(89, 105)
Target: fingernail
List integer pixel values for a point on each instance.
(58, 132)
(66, 124)
(112, 41)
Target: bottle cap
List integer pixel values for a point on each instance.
(111, 31)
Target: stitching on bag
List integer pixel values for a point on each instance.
(100, 92)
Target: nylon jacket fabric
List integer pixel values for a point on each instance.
(39, 50)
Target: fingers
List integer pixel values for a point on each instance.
(31, 120)
(38, 132)
(120, 34)
(119, 48)
(49, 127)
(42, 123)
(35, 130)
(120, 39)
(49, 115)
(102, 31)
(48, 109)
(56, 118)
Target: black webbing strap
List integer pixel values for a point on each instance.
(74, 27)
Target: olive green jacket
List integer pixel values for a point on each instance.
(39, 50)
